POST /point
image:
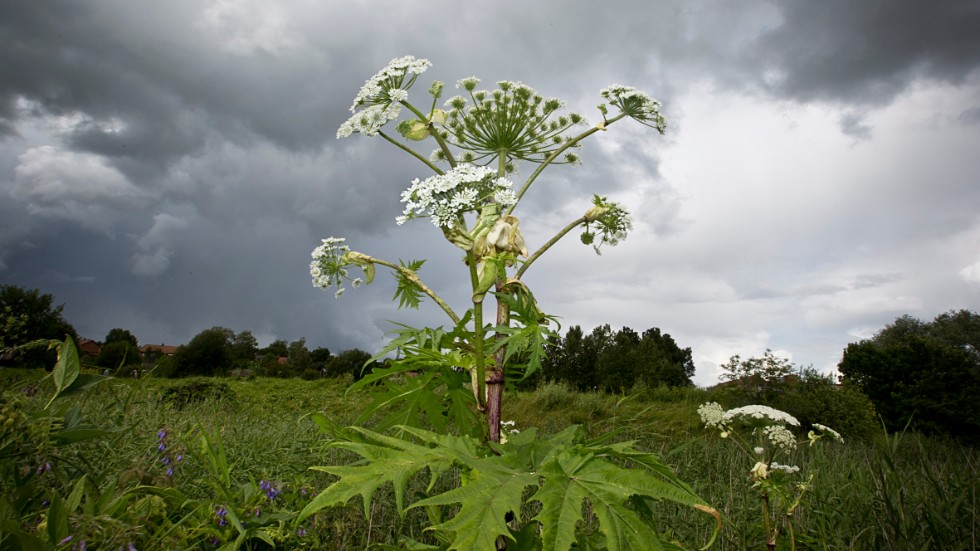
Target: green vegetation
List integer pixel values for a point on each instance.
(901, 492)
(924, 373)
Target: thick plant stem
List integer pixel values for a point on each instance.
(435, 134)
(495, 375)
(478, 337)
(544, 248)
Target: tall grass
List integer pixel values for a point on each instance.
(899, 491)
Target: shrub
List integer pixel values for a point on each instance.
(189, 392)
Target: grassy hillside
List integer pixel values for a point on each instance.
(230, 441)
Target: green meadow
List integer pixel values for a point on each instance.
(225, 463)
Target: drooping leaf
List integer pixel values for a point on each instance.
(66, 369)
(484, 501)
(389, 460)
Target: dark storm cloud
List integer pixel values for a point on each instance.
(168, 166)
(865, 52)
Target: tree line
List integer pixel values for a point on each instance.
(914, 373)
(616, 361)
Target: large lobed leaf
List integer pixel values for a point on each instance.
(565, 472)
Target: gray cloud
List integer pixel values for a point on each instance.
(168, 167)
(866, 52)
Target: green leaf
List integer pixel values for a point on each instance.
(408, 293)
(486, 498)
(80, 434)
(66, 369)
(573, 474)
(389, 460)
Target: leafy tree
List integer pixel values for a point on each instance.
(616, 364)
(244, 347)
(927, 373)
(618, 361)
(121, 335)
(320, 356)
(277, 348)
(660, 361)
(27, 316)
(208, 353)
(299, 357)
(117, 354)
(350, 361)
(759, 380)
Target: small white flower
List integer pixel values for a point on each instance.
(397, 94)
(788, 469)
(759, 450)
(444, 198)
(377, 90)
(339, 293)
(356, 283)
(780, 436)
(369, 121)
(712, 414)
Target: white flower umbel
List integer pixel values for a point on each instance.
(369, 121)
(610, 220)
(390, 84)
(636, 104)
(788, 469)
(512, 120)
(712, 414)
(821, 431)
(446, 197)
(780, 437)
(753, 414)
(328, 268)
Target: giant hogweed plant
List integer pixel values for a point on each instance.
(764, 435)
(438, 405)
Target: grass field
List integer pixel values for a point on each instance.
(248, 450)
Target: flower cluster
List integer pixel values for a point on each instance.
(369, 121)
(270, 490)
(168, 457)
(636, 104)
(780, 437)
(752, 414)
(221, 513)
(328, 268)
(382, 95)
(610, 220)
(513, 120)
(389, 85)
(446, 197)
(821, 431)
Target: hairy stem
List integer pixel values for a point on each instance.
(564, 231)
(478, 337)
(414, 278)
(411, 152)
(495, 378)
(559, 151)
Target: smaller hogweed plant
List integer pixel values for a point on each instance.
(443, 395)
(765, 437)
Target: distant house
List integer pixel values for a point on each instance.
(89, 348)
(157, 350)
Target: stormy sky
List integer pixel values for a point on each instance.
(166, 167)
